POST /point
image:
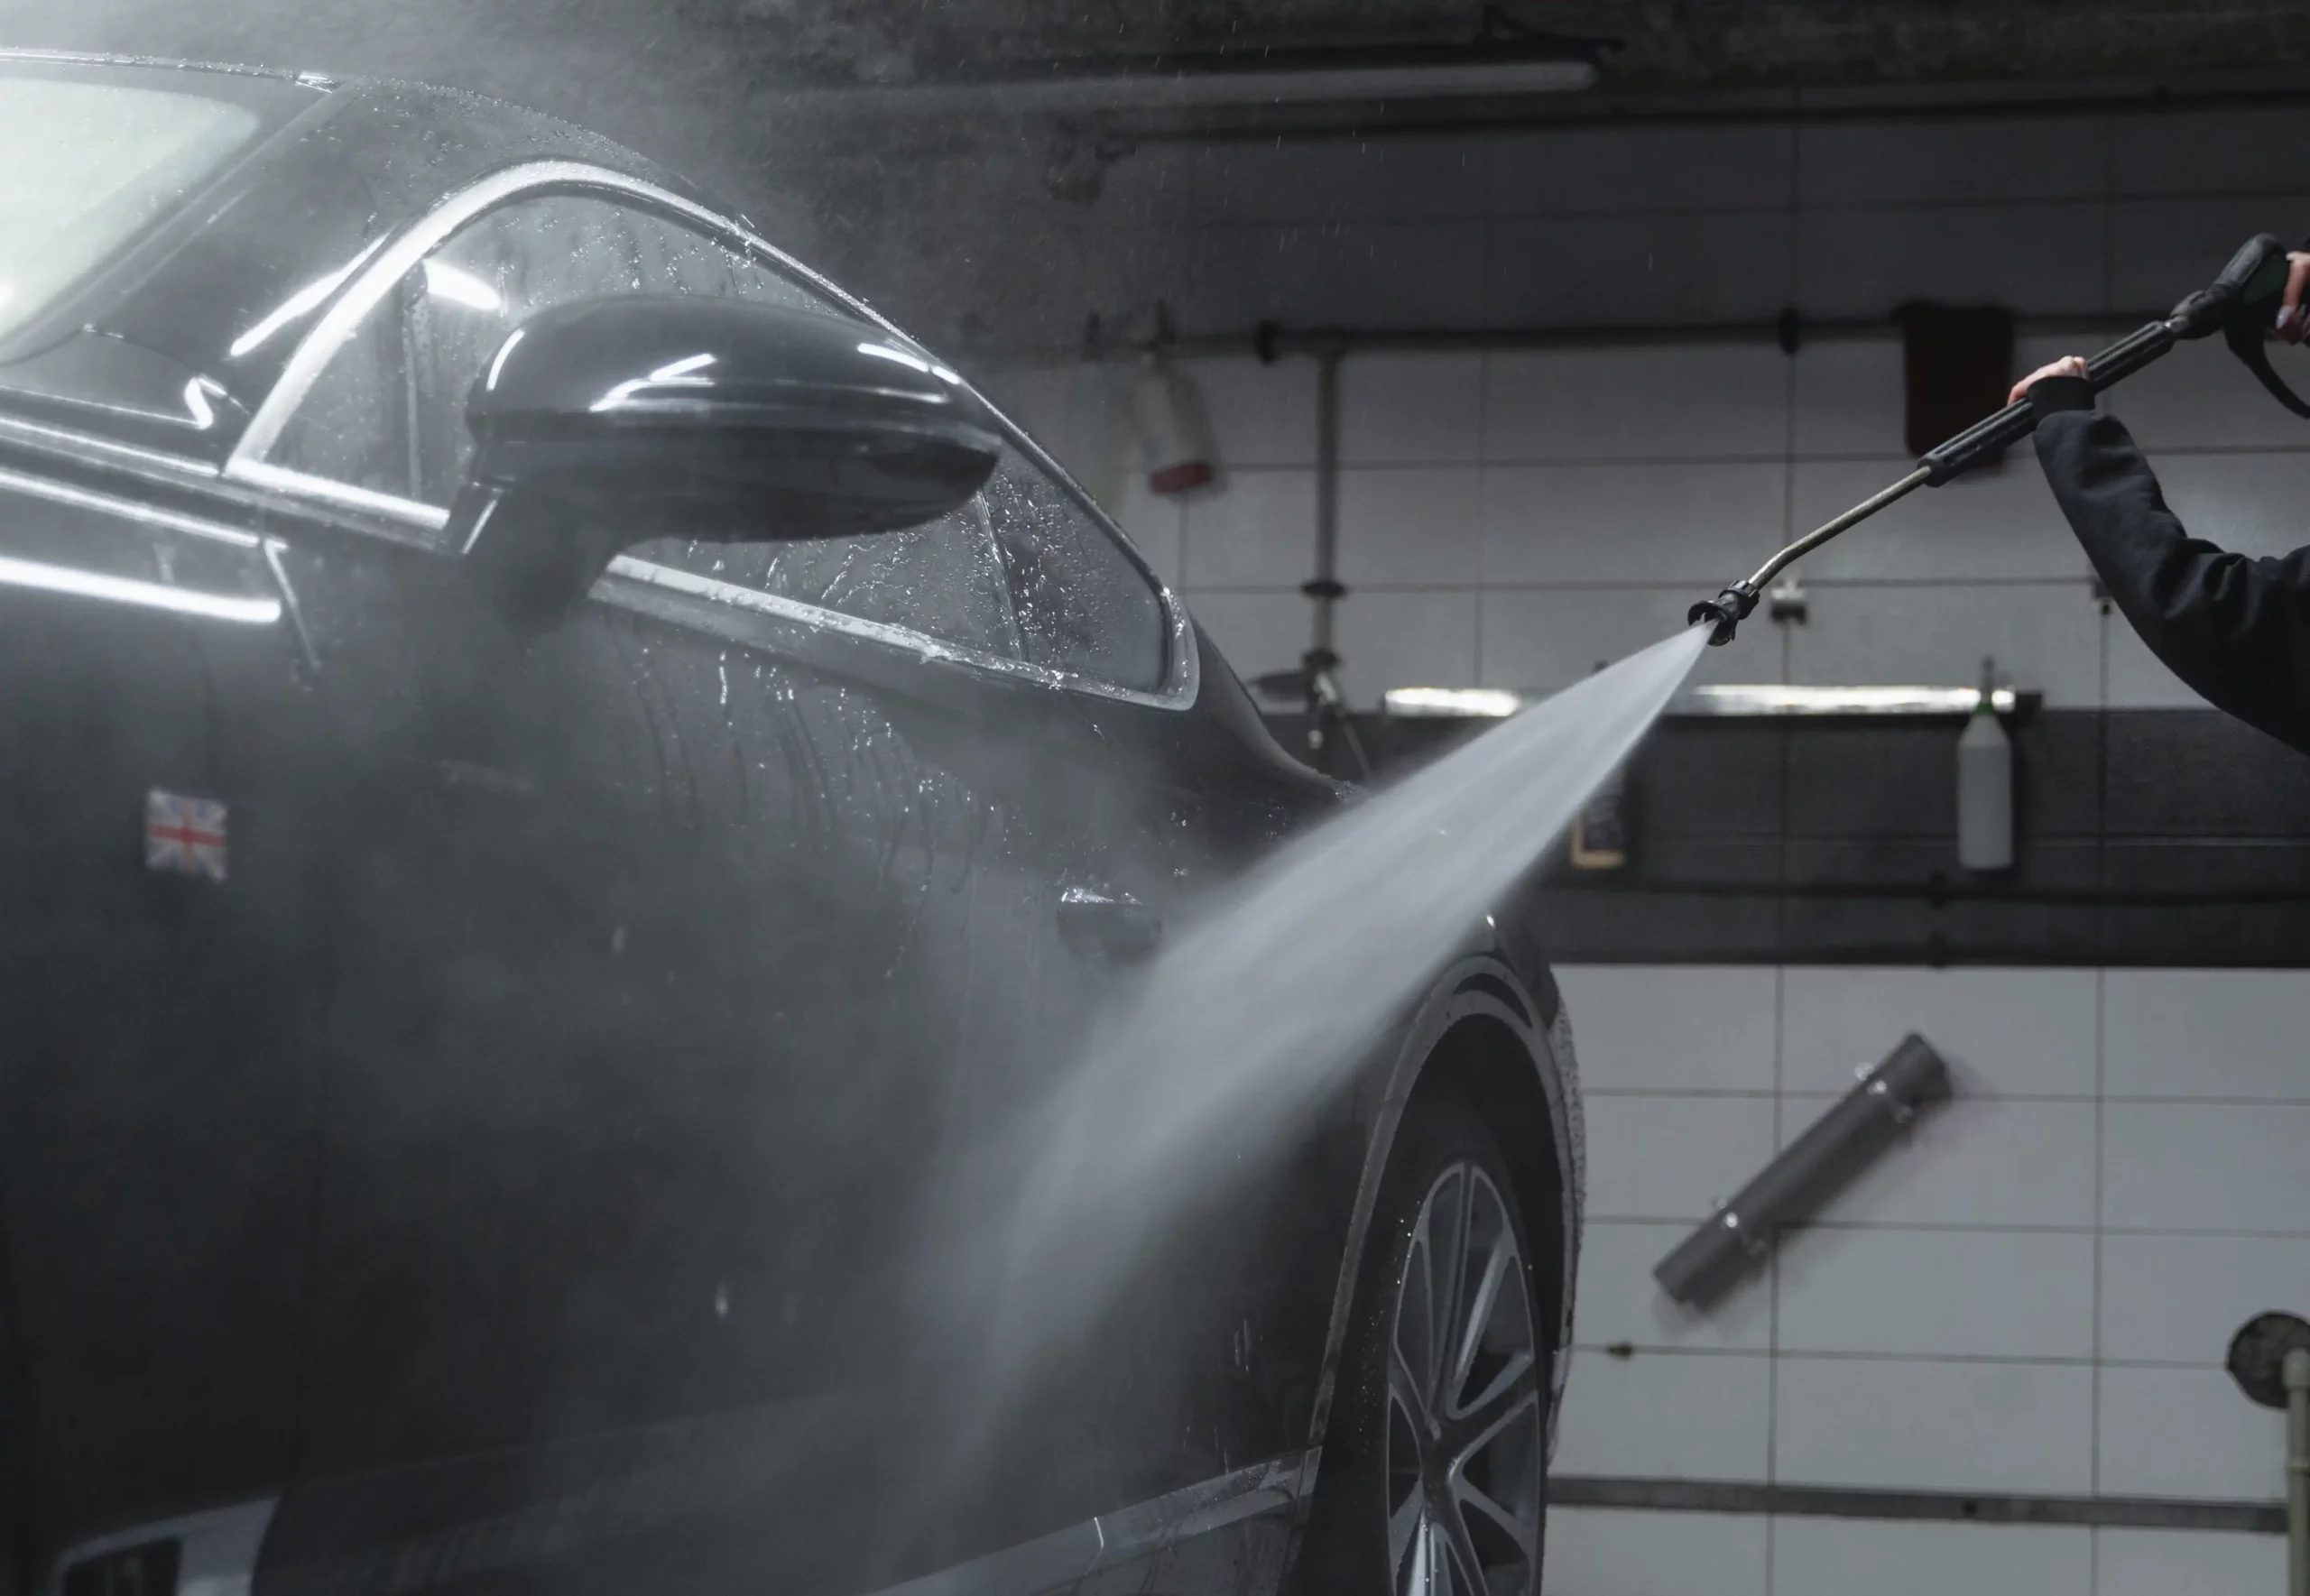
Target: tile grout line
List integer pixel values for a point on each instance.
(1831, 1095)
(1484, 398)
(1772, 1262)
(1781, 973)
(1761, 458)
(1780, 910)
(2109, 200)
(2100, 1049)
(2100, 917)
(1850, 1355)
(1945, 1228)
(1426, 219)
(1655, 585)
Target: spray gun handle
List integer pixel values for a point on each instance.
(2240, 304)
(2017, 420)
(1985, 438)
(2254, 278)
(2237, 303)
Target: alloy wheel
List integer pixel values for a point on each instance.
(1465, 1447)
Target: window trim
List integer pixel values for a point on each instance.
(248, 463)
(135, 510)
(1054, 474)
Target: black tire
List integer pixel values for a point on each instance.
(1363, 1487)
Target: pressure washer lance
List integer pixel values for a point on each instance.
(2239, 304)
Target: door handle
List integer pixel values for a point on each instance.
(1111, 924)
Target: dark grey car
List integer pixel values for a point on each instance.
(473, 1084)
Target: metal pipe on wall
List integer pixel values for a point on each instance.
(1272, 340)
(2297, 1376)
(1811, 1169)
(1325, 587)
(1317, 677)
(2269, 1358)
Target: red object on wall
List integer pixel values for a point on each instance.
(1183, 478)
(1173, 429)
(1956, 366)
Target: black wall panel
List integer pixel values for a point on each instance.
(2144, 837)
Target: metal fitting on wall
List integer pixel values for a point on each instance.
(1810, 1170)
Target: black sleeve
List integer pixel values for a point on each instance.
(2236, 629)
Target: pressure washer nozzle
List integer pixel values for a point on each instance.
(1728, 609)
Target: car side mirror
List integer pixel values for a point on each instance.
(608, 422)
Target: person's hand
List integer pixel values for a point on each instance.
(2068, 366)
(2291, 318)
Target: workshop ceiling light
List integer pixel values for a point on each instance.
(1450, 702)
(1734, 699)
(1766, 700)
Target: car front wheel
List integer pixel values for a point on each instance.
(1434, 1475)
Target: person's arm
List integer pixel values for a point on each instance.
(2235, 629)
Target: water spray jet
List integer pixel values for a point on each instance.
(1203, 1072)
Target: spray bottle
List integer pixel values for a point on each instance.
(1985, 784)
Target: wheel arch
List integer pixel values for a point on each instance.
(1479, 1032)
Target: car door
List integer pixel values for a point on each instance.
(1171, 1398)
(162, 938)
(678, 944)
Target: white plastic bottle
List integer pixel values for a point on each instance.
(1985, 785)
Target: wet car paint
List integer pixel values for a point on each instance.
(516, 1169)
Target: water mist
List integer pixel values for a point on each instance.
(1257, 1010)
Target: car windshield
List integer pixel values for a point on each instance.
(87, 167)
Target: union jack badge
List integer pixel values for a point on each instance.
(184, 835)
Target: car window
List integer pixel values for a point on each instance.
(1084, 606)
(945, 578)
(388, 412)
(1022, 571)
(85, 167)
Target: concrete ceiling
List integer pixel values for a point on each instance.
(699, 84)
(628, 66)
(1666, 43)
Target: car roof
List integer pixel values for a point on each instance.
(345, 164)
(92, 58)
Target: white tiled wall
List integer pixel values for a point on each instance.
(1921, 1293)
(1705, 1416)
(2159, 1046)
(2163, 1563)
(1661, 1157)
(1573, 501)
(1603, 1553)
(2032, 1292)
(2184, 1431)
(1821, 1557)
(1607, 1554)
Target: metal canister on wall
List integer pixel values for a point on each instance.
(1599, 839)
